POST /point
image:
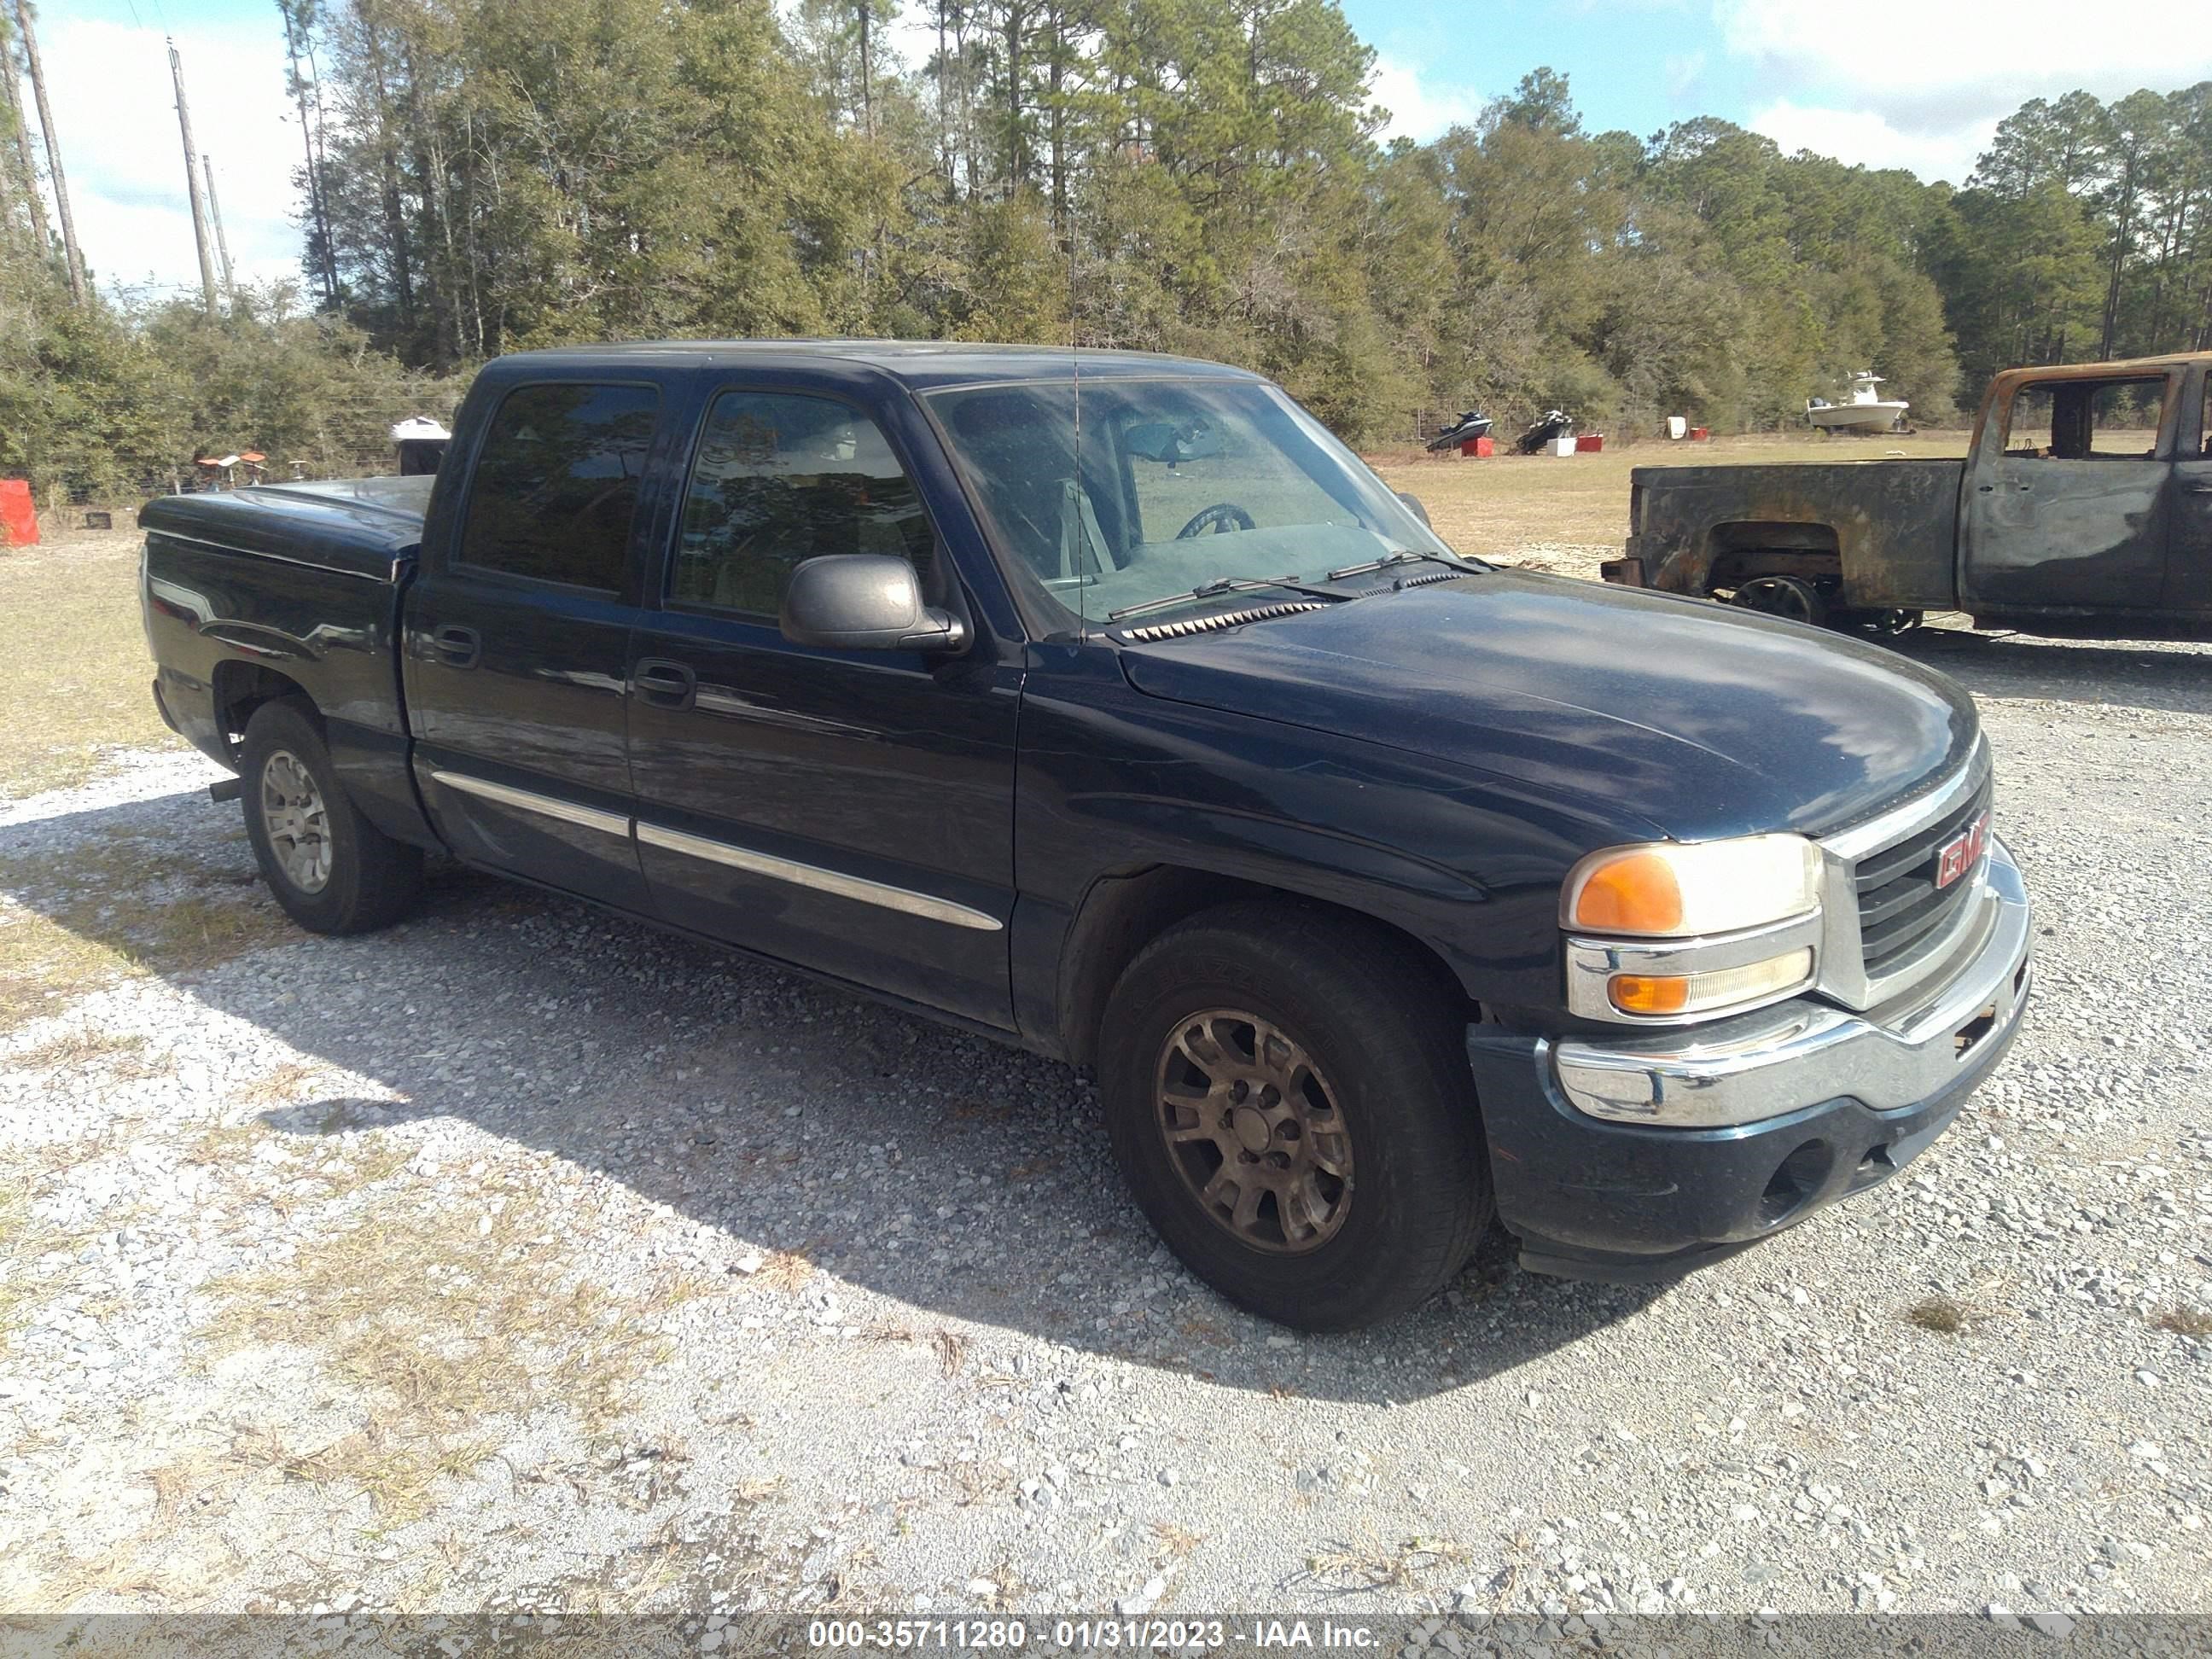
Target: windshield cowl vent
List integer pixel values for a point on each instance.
(1207, 624)
(1404, 582)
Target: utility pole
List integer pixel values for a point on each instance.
(53, 152)
(25, 170)
(215, 212)
(192, 180)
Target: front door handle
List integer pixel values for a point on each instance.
(663, 684)
(459, 646)
(2201, 490)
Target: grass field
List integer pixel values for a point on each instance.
(75, 683)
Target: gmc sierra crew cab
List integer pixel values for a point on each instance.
(1105, 703)
(2083, 509)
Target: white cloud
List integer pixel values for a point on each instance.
(1861, 136)
(1933, 74)
(116, 116)
(1419, 111)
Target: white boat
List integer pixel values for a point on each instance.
(1867, 410)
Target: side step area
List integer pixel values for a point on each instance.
(223, 789)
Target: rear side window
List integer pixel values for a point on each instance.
(557, 482)
(780, 478)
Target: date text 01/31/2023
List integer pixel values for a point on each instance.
(1086, 1635)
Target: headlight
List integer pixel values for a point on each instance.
(1675, 889)
(1677, 930)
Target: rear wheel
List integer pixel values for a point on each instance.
(1790, 597)
(332, 869)
(1289, 1101)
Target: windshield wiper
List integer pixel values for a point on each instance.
(1220, 585)
(1403, 557)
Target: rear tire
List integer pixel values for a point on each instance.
(331, 870)
(1290, 1102)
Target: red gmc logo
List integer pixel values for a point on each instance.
(1962, 852)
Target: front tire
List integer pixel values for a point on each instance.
(331, 870)
(1289, 1101)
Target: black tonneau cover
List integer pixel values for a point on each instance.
(360, 527)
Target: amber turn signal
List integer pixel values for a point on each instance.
(1655, 996)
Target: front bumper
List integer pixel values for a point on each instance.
(1643, 1157)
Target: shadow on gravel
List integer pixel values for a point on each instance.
(2176, 679)
(962, 1178)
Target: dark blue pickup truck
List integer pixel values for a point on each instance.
(1105, 703)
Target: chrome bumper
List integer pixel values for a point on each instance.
(1782, 1060)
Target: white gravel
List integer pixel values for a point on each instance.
(686, 1283)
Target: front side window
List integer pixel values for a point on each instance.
(780, 478)
(2086, 420)
(557, 484)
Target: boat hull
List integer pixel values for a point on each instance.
(1857, 417)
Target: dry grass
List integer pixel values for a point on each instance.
(1497, 505)
(128, 906)
(1944, 1315)
(2185, 1321)
(74, 678)
(438, 1331)
(84, 1046)
(1400, 1567)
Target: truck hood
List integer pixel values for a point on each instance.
(1703, 720)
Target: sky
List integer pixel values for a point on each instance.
(1919, 84)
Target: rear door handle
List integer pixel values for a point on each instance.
(460, 646)
(663, 684)
(2201, 490)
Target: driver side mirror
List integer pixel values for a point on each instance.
(865, 602)
(1414, 505)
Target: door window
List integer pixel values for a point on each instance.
(780, 478)
(2086, 420)
(557, 484)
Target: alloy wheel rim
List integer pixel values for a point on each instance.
(1255, 1132)
(1781, 596)
(297, 823)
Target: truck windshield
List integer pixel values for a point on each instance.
(1115, 494)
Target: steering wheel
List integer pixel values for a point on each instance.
(1219, 519)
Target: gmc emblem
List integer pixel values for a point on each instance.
(1962, 852)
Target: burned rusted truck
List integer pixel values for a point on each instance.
(2084, 508)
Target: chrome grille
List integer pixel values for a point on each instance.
(1899, 904)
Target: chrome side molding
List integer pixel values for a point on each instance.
(901, 899)
(545, 806)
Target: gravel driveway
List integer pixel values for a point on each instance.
(523, 1257)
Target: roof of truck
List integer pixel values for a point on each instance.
(2117, 366)
(920, 364)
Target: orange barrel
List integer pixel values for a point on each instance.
(18, 516)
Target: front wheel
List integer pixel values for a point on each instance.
(331, 870)
(1290, 1102)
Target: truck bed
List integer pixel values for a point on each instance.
(301, 581)
(1893, 523)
